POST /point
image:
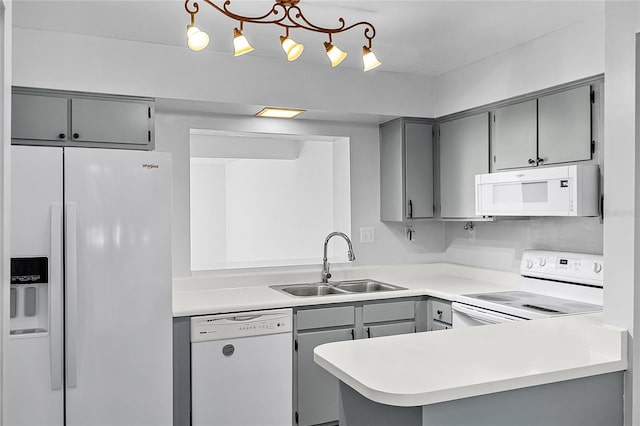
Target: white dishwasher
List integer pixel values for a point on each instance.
(241, 369)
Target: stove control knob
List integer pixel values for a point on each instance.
(542, 261)
(597, 267)
(528, 263)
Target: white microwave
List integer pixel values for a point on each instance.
(549, 191)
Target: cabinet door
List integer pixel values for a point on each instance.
(317, 388)
(390, 329)
(37, 117)
(391, 173)
(110, 121)
(464, 153)
(418, 145)
(564, 126)
(515, 136)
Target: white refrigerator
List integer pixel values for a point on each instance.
(90, 320)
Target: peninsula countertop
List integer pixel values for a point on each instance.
(431, 367)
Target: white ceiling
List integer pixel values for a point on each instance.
(417, 37)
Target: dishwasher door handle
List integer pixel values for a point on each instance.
(244, 318)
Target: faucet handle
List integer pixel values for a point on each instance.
(328, 275)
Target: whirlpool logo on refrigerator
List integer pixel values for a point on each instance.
(150, 166)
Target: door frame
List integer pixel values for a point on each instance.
(5, 173)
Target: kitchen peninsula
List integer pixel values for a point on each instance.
(564, 370)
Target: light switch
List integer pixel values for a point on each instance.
(367, 235)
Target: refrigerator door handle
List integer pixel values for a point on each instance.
(71, 282)
(55, 297)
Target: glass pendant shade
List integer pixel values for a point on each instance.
(335, 54)
(291, 48)
(196, 39)
(369, 59)
(240, 43)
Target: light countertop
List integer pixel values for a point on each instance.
(431, 367)
(245, 292)
(426, 368)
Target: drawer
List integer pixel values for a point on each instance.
(390, 329)
(388, 311)
(325, 317)
(441, 311)
(437, 325)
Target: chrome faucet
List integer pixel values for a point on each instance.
(325, 264)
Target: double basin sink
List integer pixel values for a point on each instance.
(340, 287)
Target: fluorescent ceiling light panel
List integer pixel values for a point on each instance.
(279, 112)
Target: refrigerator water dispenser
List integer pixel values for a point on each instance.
(29, 296)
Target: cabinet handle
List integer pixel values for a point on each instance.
(76, 135)
(62, 136)
(410, 209)
(353, 334)
(532, 161)
(368, 332)
(539, 161)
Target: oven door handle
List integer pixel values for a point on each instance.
(482, 315)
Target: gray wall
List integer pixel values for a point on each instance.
(172, 135)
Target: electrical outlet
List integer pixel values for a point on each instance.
(367, 235)
(409, 233)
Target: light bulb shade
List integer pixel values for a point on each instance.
(369, 59)
(240, 43)
(196, 39)
(291, 48)
(335, 55)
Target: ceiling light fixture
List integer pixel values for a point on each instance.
(274, 112)
(196, 39)
(240, 43)
(286, 14)
(334, 53)
(369, 59)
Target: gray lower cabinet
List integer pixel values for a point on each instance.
(464, 153)
(317, 390)
(58, 118)
(440, 315)
(406, 170)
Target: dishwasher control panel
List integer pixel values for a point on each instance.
(241, 324)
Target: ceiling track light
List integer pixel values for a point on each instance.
(286, 14)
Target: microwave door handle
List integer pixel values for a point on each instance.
(71, 267)
(55, 297)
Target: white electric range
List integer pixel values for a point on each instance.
(552, 283)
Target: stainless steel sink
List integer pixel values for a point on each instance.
(366, 286)
(306, 290)
(335, 288)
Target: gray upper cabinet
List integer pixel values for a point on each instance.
(564, 126)
(41, 118)
(551, 129)
(58, 118)
(464, 152)
(406, 170)
(94, 120)
(515, 136)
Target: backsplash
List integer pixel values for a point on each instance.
(499, 245)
